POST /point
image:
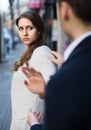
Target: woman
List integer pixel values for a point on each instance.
(32, 33)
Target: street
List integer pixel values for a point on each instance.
(5, 86)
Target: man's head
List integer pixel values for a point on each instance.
(81, 8)
(76, 11)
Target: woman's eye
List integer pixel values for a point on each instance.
(20, 28)
(30, 28)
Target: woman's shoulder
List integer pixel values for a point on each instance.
(40, 53)
(41, 50)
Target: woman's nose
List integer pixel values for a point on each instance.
(25, 32)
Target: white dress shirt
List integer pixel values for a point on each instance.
(74, 44)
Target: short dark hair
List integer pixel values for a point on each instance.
(81, 9)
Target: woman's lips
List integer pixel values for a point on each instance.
(26, 39)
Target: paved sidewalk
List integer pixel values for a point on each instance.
(5, 87)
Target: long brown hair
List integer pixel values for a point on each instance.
(39, 25)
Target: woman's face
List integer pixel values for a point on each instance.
(27, 31)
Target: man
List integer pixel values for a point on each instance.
(68, 93)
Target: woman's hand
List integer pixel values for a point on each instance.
(36, 82)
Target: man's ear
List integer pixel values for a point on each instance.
(64, 10)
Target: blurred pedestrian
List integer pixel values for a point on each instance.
(68, 93)
(31, 31)
(35, 5)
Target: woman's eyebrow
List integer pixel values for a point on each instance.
(26, 25)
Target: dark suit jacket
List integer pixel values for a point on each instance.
(68, 93)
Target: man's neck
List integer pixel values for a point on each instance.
(79, 29)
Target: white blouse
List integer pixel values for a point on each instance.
(22, 99)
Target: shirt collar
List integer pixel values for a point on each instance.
(74, 44)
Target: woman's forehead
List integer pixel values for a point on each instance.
(24, 21)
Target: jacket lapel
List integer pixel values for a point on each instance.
(84, 46)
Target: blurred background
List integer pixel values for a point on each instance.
(11, 47)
